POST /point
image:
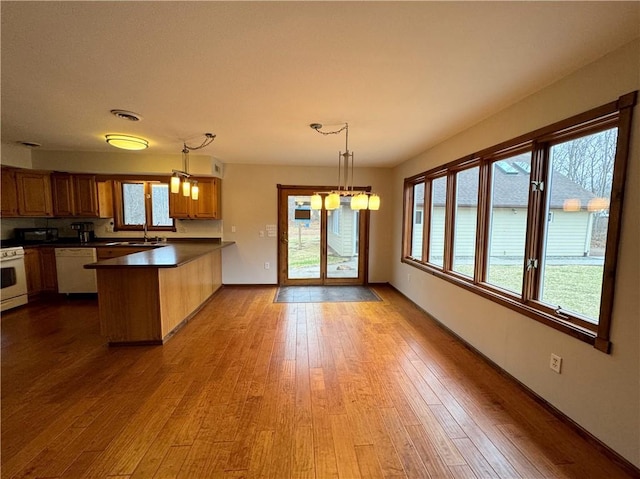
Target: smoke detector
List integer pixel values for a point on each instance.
(126, 115)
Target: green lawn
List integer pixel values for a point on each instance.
(573, 287)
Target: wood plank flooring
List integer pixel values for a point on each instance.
(250, 388)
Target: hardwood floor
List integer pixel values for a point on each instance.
(250, 388)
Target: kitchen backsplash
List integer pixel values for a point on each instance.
(104, 228)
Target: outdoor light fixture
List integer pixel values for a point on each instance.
(127, 142)
(181, 179)
(360, 199)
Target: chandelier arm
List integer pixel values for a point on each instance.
(345, 127)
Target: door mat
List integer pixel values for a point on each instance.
(325, 294)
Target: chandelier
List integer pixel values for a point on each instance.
(181, 179)
(360, 199)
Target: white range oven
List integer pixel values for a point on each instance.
(14, 280)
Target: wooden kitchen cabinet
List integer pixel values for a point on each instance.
(34, 193)
(81, 195)
(40, 269)
(9, 193)
(207, 206)
(48, 272)
(33, 271)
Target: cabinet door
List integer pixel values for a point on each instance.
(32, 270)
(85, 195)
(179, 205)
(105, 199)
(62, 194)
(34, 193)
(48, 270)
(9, 193)
(207, 206)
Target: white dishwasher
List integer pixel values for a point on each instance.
(72, 276)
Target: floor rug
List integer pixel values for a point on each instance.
(325, 294)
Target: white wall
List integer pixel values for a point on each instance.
(600, 392)
(250, 202)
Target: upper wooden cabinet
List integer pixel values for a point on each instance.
(34, 193)
(81, 195)
(207, 206)
(9, 193)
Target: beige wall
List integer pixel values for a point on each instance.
(15, 155)
(600, 392)
(250, 202)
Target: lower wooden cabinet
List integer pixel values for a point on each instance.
(33, 271)
(40, 269)
(48, 270)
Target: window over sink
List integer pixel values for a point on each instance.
(141, 203)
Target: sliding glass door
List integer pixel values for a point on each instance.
(319, 246)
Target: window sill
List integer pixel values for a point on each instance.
(558, 324)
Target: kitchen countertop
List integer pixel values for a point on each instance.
(160, 255)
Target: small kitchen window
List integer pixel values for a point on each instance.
(140, 203)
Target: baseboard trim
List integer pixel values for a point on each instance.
(615, 457)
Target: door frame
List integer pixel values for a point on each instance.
(284, 191)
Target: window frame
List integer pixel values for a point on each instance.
(615, 114)
(118, 219)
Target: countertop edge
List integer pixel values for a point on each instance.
(171, 255)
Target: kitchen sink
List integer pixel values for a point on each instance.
(135, 243)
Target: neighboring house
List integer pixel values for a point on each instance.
(570, 229)
(342, 234)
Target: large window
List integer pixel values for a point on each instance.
(532, 223)
(143, 203)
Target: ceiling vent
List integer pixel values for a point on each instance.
(29, 144)
(126, 115)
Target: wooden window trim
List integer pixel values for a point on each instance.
(615, 114)
(118, 203)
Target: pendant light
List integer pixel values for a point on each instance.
(360, 199)
(181, 179)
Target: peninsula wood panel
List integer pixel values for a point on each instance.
(253, 388)
(129, 304)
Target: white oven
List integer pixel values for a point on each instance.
(14, 280)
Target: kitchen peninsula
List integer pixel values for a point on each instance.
(145, 297)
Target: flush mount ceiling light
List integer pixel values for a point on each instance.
(127, 142)
(180, 180)
(360, 199)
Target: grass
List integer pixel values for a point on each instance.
(573, 287)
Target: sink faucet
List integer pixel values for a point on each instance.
(146, 238)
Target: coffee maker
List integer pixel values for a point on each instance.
(85, 231)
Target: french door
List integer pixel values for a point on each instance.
(320, 247)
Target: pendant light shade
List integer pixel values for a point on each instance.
(316, 202)
(374, 202)
(175, 183)
(195, 190)
(186, 187)
(332, 201)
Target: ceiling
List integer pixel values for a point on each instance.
(404, 75)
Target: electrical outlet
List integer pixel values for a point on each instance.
(233, 229)
(555, 363)
(261, 234)
(267, 265)
(409, 277)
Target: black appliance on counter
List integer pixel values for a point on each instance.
(85, 231)
(36, 235)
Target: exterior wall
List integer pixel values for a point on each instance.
(342, 242)
(516, 343)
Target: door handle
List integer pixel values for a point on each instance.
(284, 238)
